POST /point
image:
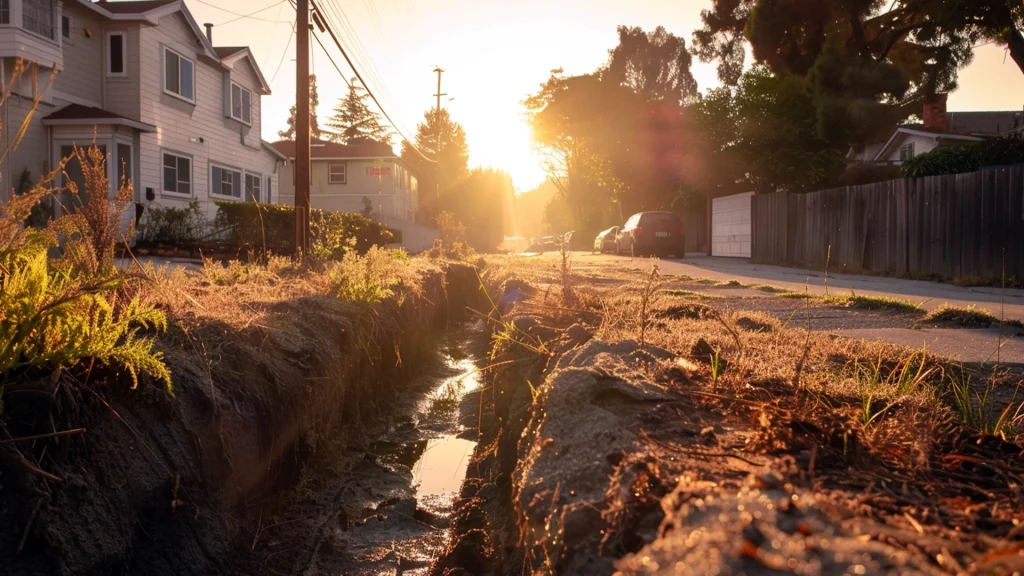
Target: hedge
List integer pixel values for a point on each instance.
(273, 225)
(965, 158)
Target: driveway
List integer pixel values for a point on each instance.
(1004, 303)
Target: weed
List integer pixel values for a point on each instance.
(647, 295)
(975, 409)
(372, 277)
(770, 289)
(691, 294)
(451, 238)
(565, 270)
(873, 303)
(716, 367)
(729, 284)
(966, 317)
(799, 295)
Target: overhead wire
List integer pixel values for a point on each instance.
(250, 15)
(284, 54)
(373, 96)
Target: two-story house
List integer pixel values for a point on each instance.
(176, 115)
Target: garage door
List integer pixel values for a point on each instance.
(730, 225)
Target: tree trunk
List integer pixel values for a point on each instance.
(1015, 42)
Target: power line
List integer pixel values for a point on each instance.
(284, 54)
(250, 15)
(373, 97)
(329, 57)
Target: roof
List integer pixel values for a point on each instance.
(917, 130)
(225, 51)
(133, 7)
(76, 114)
(321, 150)
(985, 123)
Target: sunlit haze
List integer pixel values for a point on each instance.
(494, 54)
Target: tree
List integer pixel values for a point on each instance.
(483, 202)
(353, 120)
(654, 64)
(452, 156)
(314, 124)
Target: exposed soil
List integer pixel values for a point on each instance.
(716, 448)
(231, 474)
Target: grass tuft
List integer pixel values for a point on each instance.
(874, 303)
(966, 317)
(769, 289)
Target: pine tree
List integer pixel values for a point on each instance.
(353, 120)
(314, 124)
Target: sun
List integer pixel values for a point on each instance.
(504, 141)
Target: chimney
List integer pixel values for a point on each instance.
(209, 32)
(934, 115)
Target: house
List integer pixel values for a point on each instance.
(175, 114)
(365, 177)
(938, 128)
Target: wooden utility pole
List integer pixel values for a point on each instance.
(437, 137)
(302, 138)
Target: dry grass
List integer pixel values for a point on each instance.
(965, 317)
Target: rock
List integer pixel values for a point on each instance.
(579, 334)
(704, 353)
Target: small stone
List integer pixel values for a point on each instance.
(578, 334)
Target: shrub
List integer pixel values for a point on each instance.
(170, 225)
(451, 238)
(273, 226)
(371, 277)
(56, 312)
(967, 157)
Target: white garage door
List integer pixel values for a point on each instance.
(730, 225)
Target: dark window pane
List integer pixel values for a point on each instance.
(186, 79)
(171, 72)
(170, 179)
(184, 170)
(247, 106)
(236, 102)
(117, 54)
(65, 26)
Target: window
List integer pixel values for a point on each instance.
(39, 16)
(253, 187)
(226, 182)
(177, 174)
(241, 104)
(5, 11)
(115, 54)
(336, 174)
(179, 75)
(907, 152)
(65, 26)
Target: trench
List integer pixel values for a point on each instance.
(395, 511)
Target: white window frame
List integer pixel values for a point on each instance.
(330, 173)
(124, 54)
(191, 174)
(245, 183)
(241, 95)
(907, 152)
(215, 189)
(163, 75)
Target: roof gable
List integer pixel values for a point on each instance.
(233, 55)
(904, 131)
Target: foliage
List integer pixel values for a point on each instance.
(965, 158)
(372, 277)
(451, 238)
(965, 317)
(273, 226)
(653, 64)
(443, 140)
(170, 225)
(56, 313)
(354, 121)
(483, 200)
(314, 123)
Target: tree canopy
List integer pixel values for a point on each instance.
(451, 156)
(314, 124)
(353, 120)
(654, 64)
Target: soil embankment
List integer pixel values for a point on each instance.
(272, 382)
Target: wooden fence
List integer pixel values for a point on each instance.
(945, 226)
(696, 226)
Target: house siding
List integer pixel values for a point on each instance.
(84, 63)
(122, 95)
(392, 195)
(199, 130)
(30, 152)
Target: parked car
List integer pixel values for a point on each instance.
(652, 233)
(605, 241)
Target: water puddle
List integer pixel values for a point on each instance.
(412, 476)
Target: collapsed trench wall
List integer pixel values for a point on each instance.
(173, 485)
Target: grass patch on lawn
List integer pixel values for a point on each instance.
(965, 317)
(691, 294)
(769, 289)
(798, 295)
(874, 303)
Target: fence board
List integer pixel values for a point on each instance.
(943, 226)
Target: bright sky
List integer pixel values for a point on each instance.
(495, 52)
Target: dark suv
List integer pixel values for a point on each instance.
(652, 233)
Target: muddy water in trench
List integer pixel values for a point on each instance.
(399, 498)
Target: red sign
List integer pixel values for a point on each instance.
(378, 171)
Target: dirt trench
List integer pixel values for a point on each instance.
(221, 478)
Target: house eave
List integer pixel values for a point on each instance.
(884, 150)
(142, 127)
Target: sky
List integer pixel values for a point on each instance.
(494, 53)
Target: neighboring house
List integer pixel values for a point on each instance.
(352, 177)
(938, 128)
(177, 116)
(366, 177)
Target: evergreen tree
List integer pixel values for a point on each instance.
(353, 120)
(314, 124)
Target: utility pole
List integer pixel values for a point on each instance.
(437, 137)
(302, 161)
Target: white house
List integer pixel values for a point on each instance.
(365, 177)
(180, 117)
(938, 128)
